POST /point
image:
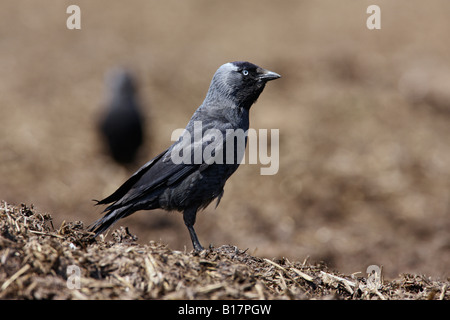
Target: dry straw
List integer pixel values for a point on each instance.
(35, 256)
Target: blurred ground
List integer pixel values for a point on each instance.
(364, 119)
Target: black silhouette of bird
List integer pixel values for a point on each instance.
(188, 186)
(122, 124)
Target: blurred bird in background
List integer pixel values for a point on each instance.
(121, 124)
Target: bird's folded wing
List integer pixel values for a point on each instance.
(153, 175)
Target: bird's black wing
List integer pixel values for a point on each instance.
(127, 185)
(154, 176)
(160, 172)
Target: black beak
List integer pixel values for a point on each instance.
(266, 75)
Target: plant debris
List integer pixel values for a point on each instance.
(38, 261)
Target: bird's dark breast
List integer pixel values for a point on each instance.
(204, 185)
(246, 96)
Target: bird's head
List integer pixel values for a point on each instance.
(120, 82)
(240, 81)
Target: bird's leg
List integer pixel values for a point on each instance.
(195, 242)
(189, 220)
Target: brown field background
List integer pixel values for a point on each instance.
(364, 120)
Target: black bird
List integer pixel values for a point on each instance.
(121, 125)
(191, 185)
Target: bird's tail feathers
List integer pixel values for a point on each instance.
(110, 218)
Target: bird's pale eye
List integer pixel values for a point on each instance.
(244, 72)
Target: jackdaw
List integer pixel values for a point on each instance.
(121, 125)
(191, 185)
